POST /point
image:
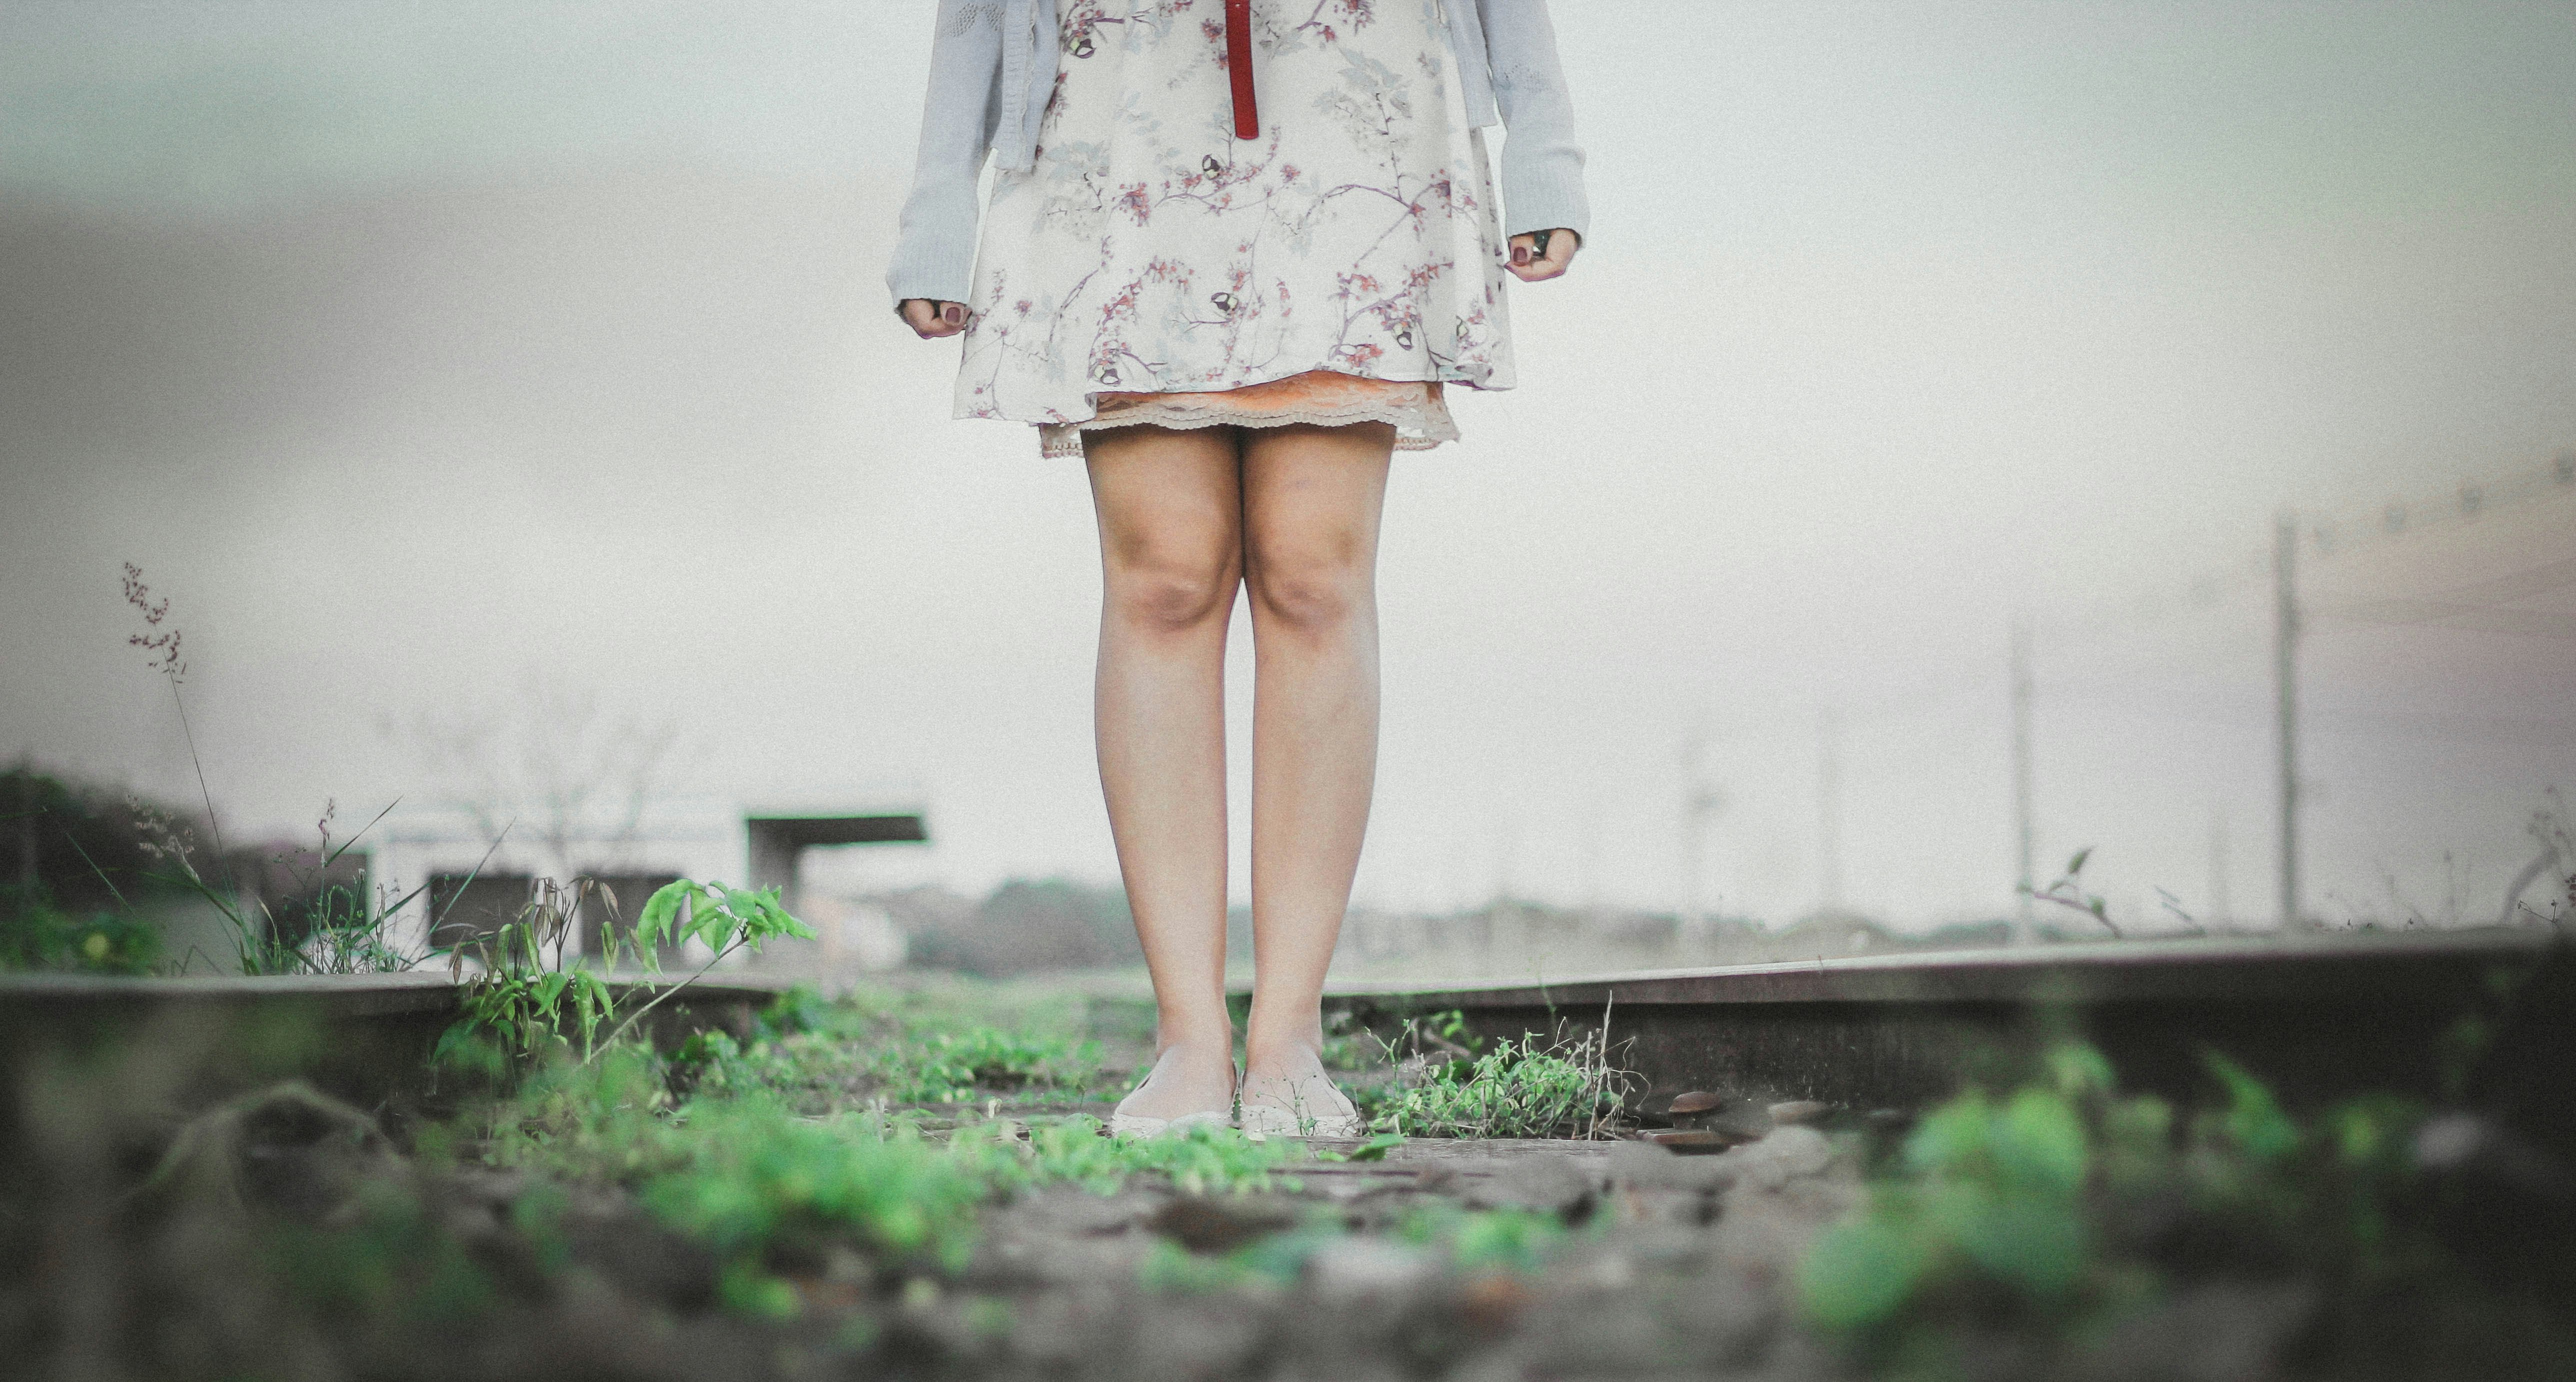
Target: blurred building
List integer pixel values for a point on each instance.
(476, 869)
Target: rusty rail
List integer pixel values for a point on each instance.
(2320, 1016)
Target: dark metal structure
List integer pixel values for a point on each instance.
(365, 1038)
(2319, 1017)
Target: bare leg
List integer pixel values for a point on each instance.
(1171, 556)
(1311, 502)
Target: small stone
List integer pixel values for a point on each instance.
(1493, 1302)
(1664, 1247)
(820, 1293)
(1436, 1179)
(1219, 1223)
(2448, 1142)
(1351, 1270)
(1192, 1336)
(1799, 1111)
(1551, 1184)
(1611, 1271)
(1644, 1165)
(1692, 1141)
(1776, 1160)
(1696, 1101)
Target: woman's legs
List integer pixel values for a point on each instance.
(1311, 502)
(1171, 552)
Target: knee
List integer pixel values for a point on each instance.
(1315, 586)
(1171, 587)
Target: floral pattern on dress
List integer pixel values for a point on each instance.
(1148, 250)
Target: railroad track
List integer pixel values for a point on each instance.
(2318, 1017)
(365, 1038)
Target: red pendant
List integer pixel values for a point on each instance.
(1238, 65)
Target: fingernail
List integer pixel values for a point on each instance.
(954, 314)
(1521, 255)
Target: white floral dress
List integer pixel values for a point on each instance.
(1149, 260)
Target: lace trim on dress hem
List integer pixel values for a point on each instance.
(1069, 446)
(1413, 417)
(1417, 428)
(1316, 398)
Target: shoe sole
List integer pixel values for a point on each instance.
(1270, 1121)
(1138, 1125)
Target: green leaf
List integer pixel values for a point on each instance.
(455, 1048)
(1951, 1137)
(2040, 1144)
(661, 911)
(746, 1288)
(2032, 1243)
(2143, 1124)
(2370, 1129)
(1860, 1273)
(2254, 1120)
(2079, 1069)
(1374, 1149)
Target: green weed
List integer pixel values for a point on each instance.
(532, 993)
(1485, 1240)
(37, 934)
(1270, 1261)
(1348, 1046)
(324, 926)
(762, 1183)
(386, 1256)
(2068, 892)
(763, 1186)
(950, 1067)
(1568, 1086)
(2061, 1204)
(333, 927)
(746, 1176)
(902, 1049)
(1198, 1161)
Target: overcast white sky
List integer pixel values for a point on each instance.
(418, 352)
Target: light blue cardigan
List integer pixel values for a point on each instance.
(992, 67)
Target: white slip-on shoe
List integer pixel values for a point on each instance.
(1146, 1125)
(1323, 1119)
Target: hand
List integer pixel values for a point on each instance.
(1545, 255)
(931, 320)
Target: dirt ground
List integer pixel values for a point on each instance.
(303, 1241)
(1671, 1266)
(1676, 1269)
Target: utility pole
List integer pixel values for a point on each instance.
(2025, 834)
(2222, 906)
(1591, 880)
(1700, 802)
(24, 778)
(1829, 803)
(2285, 673)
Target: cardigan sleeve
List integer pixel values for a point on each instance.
(1542, 166)
(934, 253)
